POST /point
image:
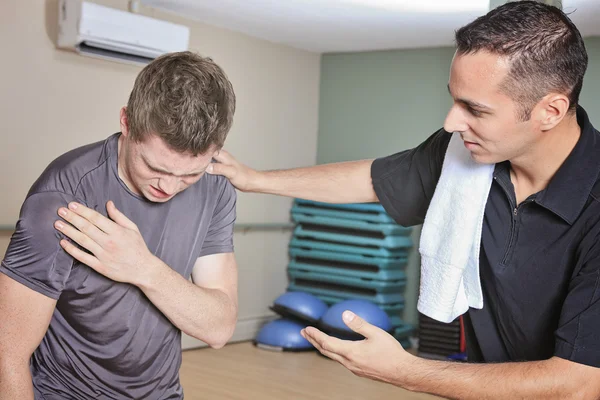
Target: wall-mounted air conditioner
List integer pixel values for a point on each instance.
(102, 32)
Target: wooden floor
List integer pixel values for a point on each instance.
(241, 371)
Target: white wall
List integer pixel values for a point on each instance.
(52, 101)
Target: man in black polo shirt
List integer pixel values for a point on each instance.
(515, 81)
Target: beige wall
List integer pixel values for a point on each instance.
(52, 101)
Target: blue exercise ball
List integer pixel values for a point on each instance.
(300, 305)
(282, 335)
(331, 322)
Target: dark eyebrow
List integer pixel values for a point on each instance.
(156, 169)
(153, 168)
(470, 103)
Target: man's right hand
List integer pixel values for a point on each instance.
(238, 174)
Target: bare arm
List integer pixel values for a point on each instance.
(345, 182)
(555, 378)
(205, 309)
(380, 357)
(25, 316)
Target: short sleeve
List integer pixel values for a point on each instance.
(578, 333)
(34, 256)
(219, 238)
(405, 182)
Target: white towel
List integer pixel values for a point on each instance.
(451, 236)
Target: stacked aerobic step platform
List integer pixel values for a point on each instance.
(350, 251)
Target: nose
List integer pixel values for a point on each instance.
(168, 184)
(455, 120)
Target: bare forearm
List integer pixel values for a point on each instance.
(15, 382)
(525, 380)
(206, 314)
(348, 182)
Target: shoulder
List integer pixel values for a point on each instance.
(65, 173)
(429, 153)
(216, 186)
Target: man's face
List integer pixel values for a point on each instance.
(487, 119)
(153, 170)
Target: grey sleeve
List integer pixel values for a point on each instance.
(405, 182)
(34, 256)
(219, 238)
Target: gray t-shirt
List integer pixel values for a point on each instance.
(106, 340)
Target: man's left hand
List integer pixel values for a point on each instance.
(117, 248)
(379, 356)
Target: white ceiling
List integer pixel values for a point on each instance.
(354, 25)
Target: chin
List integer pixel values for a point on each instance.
(155, 199)
(483, 159)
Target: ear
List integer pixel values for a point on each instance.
(123, 121)
(551, 110)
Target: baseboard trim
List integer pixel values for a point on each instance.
(246, 329)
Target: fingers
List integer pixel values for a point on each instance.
(223, 164)
(77, 211)
(80, 231)
(221, 169)
(223, 156)
(359, 325)
(80, 255)
(119, 217)
(329, 346)
(81, 239)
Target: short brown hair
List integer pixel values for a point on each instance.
(545, 50)
(183, 98)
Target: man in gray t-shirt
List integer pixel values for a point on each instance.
(94, 289)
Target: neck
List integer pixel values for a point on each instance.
(122, 165)
(532, 171)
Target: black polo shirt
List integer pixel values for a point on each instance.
(540, 260)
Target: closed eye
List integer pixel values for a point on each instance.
(158, 171)
(474, 112)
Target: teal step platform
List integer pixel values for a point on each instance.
(371, 212)
(404, 243)
(348, 236)
(344, 288)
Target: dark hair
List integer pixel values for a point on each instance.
(183, 98)
(545, 50)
